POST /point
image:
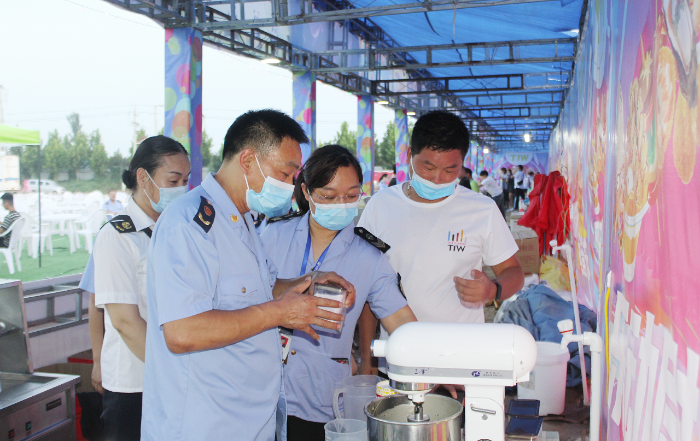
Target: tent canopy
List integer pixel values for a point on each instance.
(16, 136)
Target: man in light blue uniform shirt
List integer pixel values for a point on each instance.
(213, 353)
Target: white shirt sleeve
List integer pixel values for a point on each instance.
(499, 245)
(116, 268)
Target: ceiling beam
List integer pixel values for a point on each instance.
(282, 16)
(473, 85)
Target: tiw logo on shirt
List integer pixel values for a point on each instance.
(456, 241)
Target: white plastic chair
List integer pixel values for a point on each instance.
(12, 252)
(30, 235)
(90, 228)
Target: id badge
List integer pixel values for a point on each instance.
(286, 337)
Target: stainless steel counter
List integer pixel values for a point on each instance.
(37, 406)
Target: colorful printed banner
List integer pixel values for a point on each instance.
(183, 94)
(401, 143)
(365, 140)
(627, 143)
(531, 161)
(304, 103)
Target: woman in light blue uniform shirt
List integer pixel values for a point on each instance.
(322, 237)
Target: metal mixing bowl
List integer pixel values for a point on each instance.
(387, 419)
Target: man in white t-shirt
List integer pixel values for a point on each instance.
(491, 188)
(441, 234)
(521, 185)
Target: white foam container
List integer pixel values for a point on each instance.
(548, 379)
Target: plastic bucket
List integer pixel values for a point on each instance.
(548, 379)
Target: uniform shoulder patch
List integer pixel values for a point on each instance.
(205, 215)
(372, 239)
(123, 224)
(272, 220)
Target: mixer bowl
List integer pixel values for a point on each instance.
(387, 419)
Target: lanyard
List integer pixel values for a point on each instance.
(306, 256)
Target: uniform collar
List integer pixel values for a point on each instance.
(222, 201)
(339, 244)
(138, 217)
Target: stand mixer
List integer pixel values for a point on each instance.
(485, 358)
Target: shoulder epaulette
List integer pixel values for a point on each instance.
(205, 215)
(272, 220)
(123, 224)
(372, 239)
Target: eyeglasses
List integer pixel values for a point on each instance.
(351, 198)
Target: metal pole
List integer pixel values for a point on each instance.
(39, 187)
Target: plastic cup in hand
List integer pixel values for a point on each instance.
(346, 430)
(332, 291)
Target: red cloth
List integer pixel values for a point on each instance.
(548, 213)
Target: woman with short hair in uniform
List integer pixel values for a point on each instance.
(321, 236)
(158, 173)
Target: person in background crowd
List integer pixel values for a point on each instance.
(503, 179)
(511, 189)
(9, 205)
(213, 352)
(112, 206)
(392, 182)
(321, 237)
(521, 183)
(440, 235)
(383, 182)
(467, 181)
(157, 174)
(489, 186)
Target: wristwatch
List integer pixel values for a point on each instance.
(499, 288)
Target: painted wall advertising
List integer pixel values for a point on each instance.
(535, 161)
(627, 143)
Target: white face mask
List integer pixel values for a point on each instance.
(167, 195)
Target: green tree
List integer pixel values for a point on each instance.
(28, 156)
(116, 165)
(384, 155)
(74, 121)
(98, 155)
(78, 152)
(55, 157)
(215, 162)
(206, 149)
(345, 137)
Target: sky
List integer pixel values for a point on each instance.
(105, 63)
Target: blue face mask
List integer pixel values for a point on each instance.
(167, 195)
(334, 217)
(429, 190)
(275, 198)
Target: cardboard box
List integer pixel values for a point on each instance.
(528, 254)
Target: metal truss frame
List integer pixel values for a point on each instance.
(477, 54)
(198, 13)
(528, 98)
(475, 85)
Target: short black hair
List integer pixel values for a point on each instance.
(441, 131)
(520, 167)
(531, 173)
(503, 169)
(7, 197)
(148, 156)
(384, 175)
(262, 131)
(484, 173)
(320, 168)
(468, 170)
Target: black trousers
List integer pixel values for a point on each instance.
(499, 202)
(519, 195)
(302, 430)
(121, 415)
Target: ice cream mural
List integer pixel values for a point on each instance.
(627, 143)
